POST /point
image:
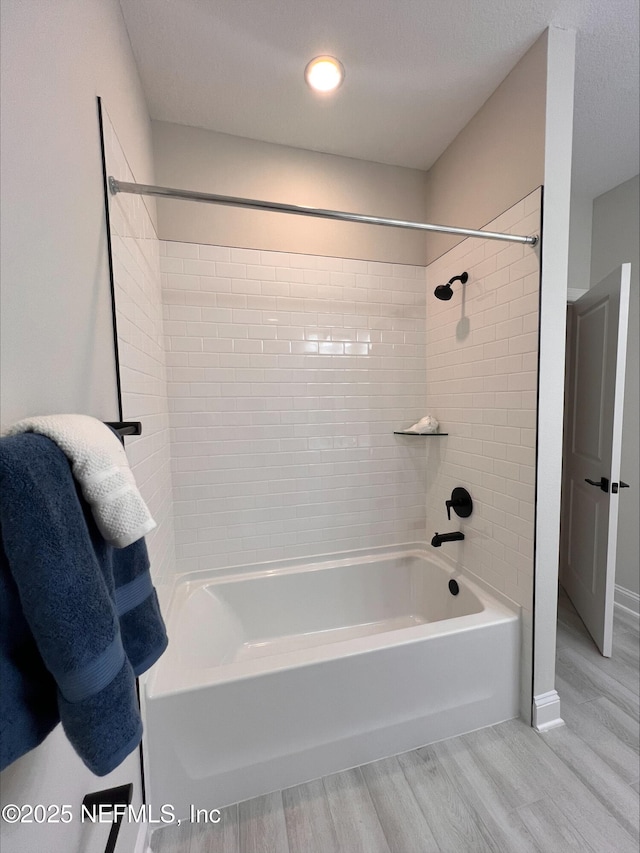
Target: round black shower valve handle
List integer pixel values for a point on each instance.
(460, 502)
(602, 483)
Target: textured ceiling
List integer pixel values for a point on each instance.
(416, 72)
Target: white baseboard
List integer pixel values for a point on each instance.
(142, 841)
(625, 599)
(546, 711)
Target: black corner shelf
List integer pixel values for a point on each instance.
(420, 434)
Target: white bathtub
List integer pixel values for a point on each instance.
(279, 674)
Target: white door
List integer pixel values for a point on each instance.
(593, 440)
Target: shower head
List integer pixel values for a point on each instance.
(444, 291)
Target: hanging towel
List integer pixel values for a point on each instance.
(126, 573)
(78, 618)
(100, 467)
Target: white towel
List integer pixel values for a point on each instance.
(425, 426)
(101, 469)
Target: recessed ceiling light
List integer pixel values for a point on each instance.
(324, 73)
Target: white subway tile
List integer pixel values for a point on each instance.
(531, 283)
(214, 253)
(527, 343)
(171, 265)
(247, 346)
(198, 267)
(229, 270)
(289, 274)
(183, 312)
(241, 316)
(523, 381)
(281, 259)
(233, 300)
(245, 256)
(173, 297)
(524, 305)
(185, 344)
(214, 284)
(177, 281)
(260, 272)
(264, 303)
(249, 286)
(203, 359)
(175, 327)
(180, 250)
(217, 345)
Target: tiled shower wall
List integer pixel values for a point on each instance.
(482, 362)
(135, 252)
(287, 377)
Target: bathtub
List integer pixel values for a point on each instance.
(282, 673)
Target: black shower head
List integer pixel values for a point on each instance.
(444, 291)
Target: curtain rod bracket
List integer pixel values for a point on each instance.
(116, 186)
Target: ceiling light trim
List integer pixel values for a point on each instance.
(324, 74)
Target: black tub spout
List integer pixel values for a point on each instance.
(439, 538)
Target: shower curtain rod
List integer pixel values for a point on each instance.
(116, 186)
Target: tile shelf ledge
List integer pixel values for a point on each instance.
(421, 434)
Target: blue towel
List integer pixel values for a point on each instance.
(79, 618)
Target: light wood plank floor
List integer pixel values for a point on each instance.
(504, 789)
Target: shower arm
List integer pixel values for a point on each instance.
(463, 278)
(116, 186)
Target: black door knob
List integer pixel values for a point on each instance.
(621, 484)
(602, 483)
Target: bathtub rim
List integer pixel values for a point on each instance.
(167, 591)
(494, 610)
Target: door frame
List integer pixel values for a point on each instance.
(619, 279)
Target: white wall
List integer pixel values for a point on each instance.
(497, 159)
(482, 376)
(57, 353)
(196, 159)
(580, 241)
(615, 241)
(553, 315)
(287, 376)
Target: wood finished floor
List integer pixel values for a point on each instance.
(504, 789)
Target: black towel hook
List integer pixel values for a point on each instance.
(125, 427)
